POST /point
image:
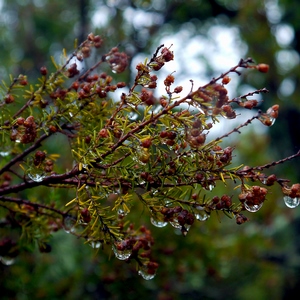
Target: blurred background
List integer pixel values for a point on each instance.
(217, 259)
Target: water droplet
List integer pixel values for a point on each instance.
(158, 223)
(291, 202)
(185, 229)
(36, 175)
(122, 212)
(69, 223)
(272, 120)
(133, 116)
(211, 187)
(266, 119)
(95, 244)
(121, 254)
(263, 180)
(203, 216)
(4, 153)
(175, 224)
(253, 207)
(6, 260)
(144, 272)
(5, 150)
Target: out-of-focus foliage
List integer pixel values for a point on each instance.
(258, 260)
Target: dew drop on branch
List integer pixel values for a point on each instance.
(202, 216)
(253, 207)
(291, 202)
(95, 244)
(7, 261)
(36, 176)
(143, 271)
(211, 187)
(133, 116)
(185, 229)
(175, 224)
(121, 254)
(69, 223)
(5, 151)
(122, 212)
(158, 223)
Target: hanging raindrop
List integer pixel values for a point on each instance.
(132, 116)
(144, 272)
(158, 223)
(211, 187)
(185, 229)
(36, 176)
(266, 119)
(253, 207)
(121, 254)
(122, 212)
(95, 244)
(69, 223)
(8, 261)
(291, 202)
(5, 151)
(203, 216)
(175, 224)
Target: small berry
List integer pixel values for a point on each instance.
(9, 99)
(178, 89)
(43, 71)
(103, 133)
(263, 68)
(146, 143)
(226, 80)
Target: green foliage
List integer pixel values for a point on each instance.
(129, 154)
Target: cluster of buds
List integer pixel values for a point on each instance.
(118, 61)
(214, 100)
(96, 84)
(221, 203)
(248, 104)
(72, 70)
(40, 161)
(137, 245)
(39, 157)
(144, 78)
(254, 195)
(159, 61)
(24, 130)
(58, 94)
(196, 137)
(222, 156)
(168, 137)
(179, 216)
(240, 219)
(147, 97)
(293, 191)
(86, 47)
(48, 166)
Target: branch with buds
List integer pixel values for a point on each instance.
(144, 147)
